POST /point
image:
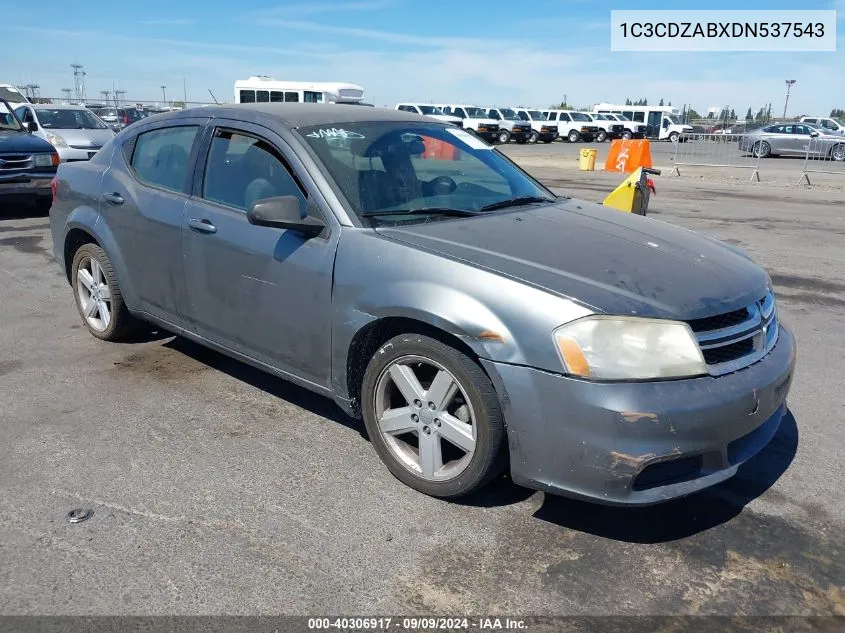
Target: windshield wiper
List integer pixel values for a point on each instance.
(514, 202)
(423, 211)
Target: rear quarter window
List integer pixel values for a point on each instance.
(161, 157)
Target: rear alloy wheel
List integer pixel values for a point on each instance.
(627, 135)
(837, 152)
(573, 136)
(503, 137)
(433, 416)
(533, 137)
(761, 149)
(98, 297)
(601, 137)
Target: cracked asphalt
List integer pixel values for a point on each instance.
(219, 489)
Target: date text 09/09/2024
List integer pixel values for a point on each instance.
(416, 624)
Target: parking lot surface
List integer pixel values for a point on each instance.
(219, 489)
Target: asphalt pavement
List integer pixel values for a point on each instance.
(219, 489)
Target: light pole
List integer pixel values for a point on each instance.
(163, 95)
(789, 84)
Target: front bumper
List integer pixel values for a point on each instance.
(640, 443)
(489, 136)
(31, 184)
(520, 134)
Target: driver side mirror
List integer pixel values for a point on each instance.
(284, 212)
(32, 126)
(813, 134)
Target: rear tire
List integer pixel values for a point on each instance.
(837, 152)
(98, 297)
(503, 137)
(761, 149)
(448, 446)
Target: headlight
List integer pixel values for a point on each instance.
(44, 160)
(629, 348)
(56, 140)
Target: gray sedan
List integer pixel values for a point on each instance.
(75, 132)
(793, 139)
(411, 272)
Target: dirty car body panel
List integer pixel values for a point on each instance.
(497, 283)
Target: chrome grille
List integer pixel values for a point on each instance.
(15, 161)
(736, 339)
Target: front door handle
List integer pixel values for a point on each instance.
(113, 198)
(204, 226)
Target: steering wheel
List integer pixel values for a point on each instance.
(443, 185)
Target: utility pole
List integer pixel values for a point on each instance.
(78, 81)
(118, 96)
(163, 95)
(789, 84)
(184, 93)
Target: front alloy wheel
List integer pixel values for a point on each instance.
(534, 136)
(503, 137)
(433, 416)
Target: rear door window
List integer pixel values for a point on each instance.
(161, 157)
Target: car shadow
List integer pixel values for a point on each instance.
(683, 517)
(273, 385)
(21, 210)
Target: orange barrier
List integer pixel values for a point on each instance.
(628, 155)
(440, 149)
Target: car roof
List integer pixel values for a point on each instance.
(56, 106)
(294, 115)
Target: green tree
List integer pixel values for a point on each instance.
(733, 114)
(748, 115)
(837, 113)
(710, 115)
(692, 115)
(670, 103)
(645, 102)
(628, 101)
(661, 102)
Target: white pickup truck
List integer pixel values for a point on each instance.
(829, 124)
(475, 120)
(541, 128)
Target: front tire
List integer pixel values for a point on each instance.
(837, 152)
(601, 137)
(533, 137)
(433, 416)
(627, 135)
(503, 137)
(573, 136)
(673, 137)
(98, 296)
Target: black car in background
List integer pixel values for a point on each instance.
(27, 163)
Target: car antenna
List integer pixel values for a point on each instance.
(213, 97)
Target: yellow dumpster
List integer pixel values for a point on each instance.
(588, 159)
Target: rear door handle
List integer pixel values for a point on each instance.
(113, 198)
(204, 226)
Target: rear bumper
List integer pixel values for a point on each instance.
(640, 443)
(71, 154)
(26, 185)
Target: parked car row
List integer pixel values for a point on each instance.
(527, 125)
(795, 139)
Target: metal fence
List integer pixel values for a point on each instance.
(714, 150)
(825, 155)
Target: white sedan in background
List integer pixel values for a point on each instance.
(75, 132)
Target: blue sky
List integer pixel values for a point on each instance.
(500, 52)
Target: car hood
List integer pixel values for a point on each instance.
(84, 138)
(23, 142)
(615, 262)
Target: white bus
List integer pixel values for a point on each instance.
(662, 122)
(263, 89)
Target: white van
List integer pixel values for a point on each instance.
(475, 119)
(829, 124)
(264, 89)
(511, 127)
(12, 95)
(575, 126)
(541, 128)
(426, 109)
(661, 122)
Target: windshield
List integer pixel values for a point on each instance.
(536, 115)
(579, 116)
(476, 113)
(8, 120)
(12, 95)
(386, 166)
(674, 118)
(509, 114)
(427, 109)
(66, 119)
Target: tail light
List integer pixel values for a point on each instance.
(54, 188)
